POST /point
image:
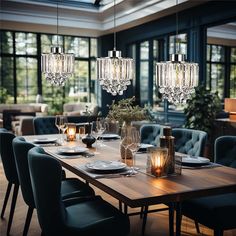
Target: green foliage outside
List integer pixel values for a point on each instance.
(201, 110)
(3, 95)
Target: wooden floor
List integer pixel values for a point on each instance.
(157, 223)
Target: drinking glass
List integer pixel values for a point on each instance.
(100, 128)
(125, 142)
(63, 126)
(57, 123)
(134, 146)
(81, 132)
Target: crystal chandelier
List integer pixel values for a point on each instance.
(57, 66)
(114, 72)
(177, 78)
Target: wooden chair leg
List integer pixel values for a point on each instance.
(145, 212)
(6, 199)
(197, 227)
(218, 232)
(28, 220)
(13, 204)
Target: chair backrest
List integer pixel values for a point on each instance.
(45, 173)
(150, 133)
(7, 155)
(225, 151)
(189, 141)
(46, 124)
(21, 148)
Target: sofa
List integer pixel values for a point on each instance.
(79, 109)
(9, 112)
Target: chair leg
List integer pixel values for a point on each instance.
(218, 232)
(28, 220)
(197, 227)
(13, 204)
(145, 212)
(6, 199)
(171, 219)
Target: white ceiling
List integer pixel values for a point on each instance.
(87, 16)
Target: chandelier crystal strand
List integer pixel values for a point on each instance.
(57, 66)
(177, 78)
(114, 72)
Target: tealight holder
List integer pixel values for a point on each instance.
(71, 132)
(158, 160)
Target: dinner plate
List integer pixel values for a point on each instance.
(44, 140)
(144, 146)
(106, 165)
(71, 150)
(109, 136)
(190, 160)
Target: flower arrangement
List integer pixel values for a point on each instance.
(125, 111)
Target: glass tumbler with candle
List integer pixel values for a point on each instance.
(71, 132)
(157, 161)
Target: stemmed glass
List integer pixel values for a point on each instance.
(134, 146)
(63, 126)
(57, 123)
(100, 128)
(125, 142)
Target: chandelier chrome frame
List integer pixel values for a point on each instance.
(57, 65)
(177, 78)
(114, 72)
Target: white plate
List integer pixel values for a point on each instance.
(195, 160)
(71, 150)
(106, 165)
(109, 136)
(145, 145)
(44, 140)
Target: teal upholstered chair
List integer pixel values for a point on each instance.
(189, 141)
(150, 133)
(9, 168)
(78, 216)
(70, 187)
(216, 212)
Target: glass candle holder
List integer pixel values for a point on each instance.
(158, 160)
(71, 132)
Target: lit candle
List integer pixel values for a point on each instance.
(71, 132)
(158, 158)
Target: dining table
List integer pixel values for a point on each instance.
(141, 189)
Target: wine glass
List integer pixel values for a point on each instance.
(134, 146)
(57, 123)
(125, 142)
(63, 126)
(81, 132)
(100, 128)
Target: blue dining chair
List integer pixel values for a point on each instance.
(77, 216)
(189, 141)
(70, 187)
(216, 212)
(9, 167)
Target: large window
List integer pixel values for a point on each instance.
(233, 72)
(20, 68)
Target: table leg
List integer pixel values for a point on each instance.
(178, 218)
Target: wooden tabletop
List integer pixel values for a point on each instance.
(142, 189)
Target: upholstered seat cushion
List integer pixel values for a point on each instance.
(189, 141)
(226, 147)
(96, 218)
(216, 212)
(151, 133)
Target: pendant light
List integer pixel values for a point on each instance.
(57, 66)
(114, 72)
(177, 78)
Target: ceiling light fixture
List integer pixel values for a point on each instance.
(177, 78)
(57, 66)
(114, 72)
